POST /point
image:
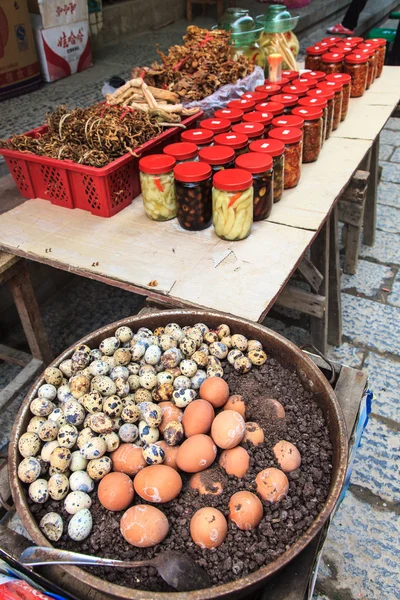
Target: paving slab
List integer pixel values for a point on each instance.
(394, 297)
(347, 354)
(395, 158)
(390, 171)
(393, 122)
(389, 193)
(388, 218)
(385, 151)
(385, 250)
(384, 381)
(389, 136)
(368, 280)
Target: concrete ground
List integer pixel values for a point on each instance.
(361, 557)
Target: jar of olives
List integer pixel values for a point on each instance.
(322, 104)
(275, 149)
(218, 157)
(292, 137)
(242, 104)
(182, 151)
(232, 200)
(239, 142)
(200, 137)
(345, 79)
(312, 132)
(263, 118)
(356, 65)
(275, 108)
(289, 101)
(329, 96)
(313, 57)
(193, 195)
(254, 131)
(261, 167)
(157, 183)
(234, 115)
(216, 125)
(336, 87)
(332, 62)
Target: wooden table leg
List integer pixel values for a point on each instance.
(320, 259)
(334, 292)
(371, 199)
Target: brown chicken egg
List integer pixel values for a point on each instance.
(287, 455)
(116, 491)
(236, 403)
(208, 528)
(272, 484)
(196, 453)
(170, 413)
(128, 459)
(235, 461)
(198, 417)
(215, 390)
(245, 510)
(253, 434)
(277, 406)
(206, 482)
(228, 429)
(170, 452)
(144, 526)
(158, 483)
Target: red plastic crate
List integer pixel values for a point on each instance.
(103, 192)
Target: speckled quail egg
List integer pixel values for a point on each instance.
(121, 387)
(122, 356)
(239, 341)
(223, 330)
(67, 435)
(202, 327)
(52, 526)
(109, 360)
(182, 382)
(142, 395)
(96, 354)
(47, 391)
(29, 444)
(64, 393)
(112, 406)
(47, 449)
(58, 486)
(151, 413)
(76, 501)
(29, 469)
(38, 491)
(133, 368)
(100, 423)
(219, 350)
(200, 358)
(167, 341)
(257, 357)
(148, 435)
(138, 350)
(144, 332)
(78, 462)
(159, 331)
(152, 454)
(152, 355)
(74, 412)
(109, 345)
(254, 345)
(173, 433)
(171, 358)
(215, 372)
(183, 397)
(80, 481)
(82, 348)
(84, 436)
(188, 346)
(80, 525)
(242, 364)
(214, 362)
(124, 334)
(130, 413)
(57, 416)
(133, 382)
(204, 348)
(210, 337)
(145, 368)
(92, 402)
(96, 447)
(60, 459)
(66, 367)
(111, 439)
(48, 431)
(165, 377)
(198, 379)
(99, 367)
(162, 392)
(80, 360)
(41, 407)
(227, 340)
(195, 335)
(99, 467)
(35, 424)
(53, 376)
(53, 471)
(148, 380)
(79, 385)
(128, 432)
(175, 331)
(188, 367)
(104, 385)
(233, 355)
(119, 372)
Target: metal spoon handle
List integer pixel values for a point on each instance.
(41, 555)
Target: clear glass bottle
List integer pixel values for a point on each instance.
(337, 88)
(157, 183)
(313, 57)
(381, 43)
(261, 167)
(356, 65)
(370, 52)
(232, 200)
(276, 150)
(293, 140)
(182, 151)
(312, 132)
(193, 195)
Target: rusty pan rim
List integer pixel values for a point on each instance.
(251, 581)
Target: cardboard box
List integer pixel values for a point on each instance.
(19, 67)
(63, 50)
(59, 12)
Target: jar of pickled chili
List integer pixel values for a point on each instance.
(157, 183)
(283, 81)
(261, 167)
(193, 195)
(308, 82)
(328, 95)
(352, 40)
(200, 137)
(296, 88)
(292, 137)
(289, 101)
(356, 65)
(370, 52)
(234, 115)
(218, 157)
(336, 87)
(313, 57)
(381, 43)
(292, 120)
(332, 40)
(316, 102)
(232, 202)
(265, 118)
(216, 125)
(257, 96)
(276, 149)
(275, 108)
(244, 105)
(239, 142)
(332, 62)
(345, 79)
(254, 130)
(315, 75)
(343, 49)
(312, 132)
(182, 151)
(269, 88)
(291, 75)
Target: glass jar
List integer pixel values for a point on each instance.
(269, 88)
(283, 81)
(312, 132)
(343, 49)
(261, 167)
(289, 101)
(244, 105)
(329, 96)
(346, 90)
(291, 75)
(332, 62)
(308, 82)
(336, 87)
(157, 183)
(315, 75)
(234, 115)
(293, 140)
(276, 149)
(253, 130)
(232, 201)
(218, 157)
(216, 125)
(332, 40)
(256, 96)
(296, 88)
(200, 137)
(316, 102)
(313, 57)
(353, 41)
(237, 141)
(275, 108)
(356, 65)
(381, 43)
(370, 52)
(193, 195)
(265, 118)
(182, 151)
(288, 121)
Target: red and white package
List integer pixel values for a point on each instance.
(16, 589)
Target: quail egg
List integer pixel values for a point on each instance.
(64, 393)
(144, 332)
(92, 402)
(47, 391)
(202, 328)
(53, 376)
(200, 358)
(121, 387)
(109, 345)
(60, 459)
(162, 392)
(78, 462)
(188, 346)
(76, 501)
(74, 412)
(158, 331)
(122, 356)
(111, 439)
(80, 525)
(133, 382)
(130, 413)
(219, 350)
(80, 360)
(152, 355)
(165, 377)
(223, 330)
(80, 481)
(188, 367)
(175, 331)
(257, 357)
(182, 382)
(147, 434)
(112, 407)
(52, 526)
(239, 341)
(167, 342)
(99, 467)
(109, 360)
(254, 345)
(38, 491)
(133, 368)
(48, 431)
(29, 444)
(198, 379)
(128, 432)
(96, 447)
(48, 449)
(41, 407)
(151, 413)
(142, 395)
(66, 367)
(148, 380)
(215, 371)
(84, 436)
(53, 471)
(67, 435)
(35, 424)
(173, 433)
(124, 334)
(79, 385)
(119, 372)
(182, 397)
(104, 385)
(233, 355)
(138, 350)
(82, 348)
(57, 416)
(227, 341)
(58, 486)
(29, 469)
(242, 364)
(210, 337)
(171, 358)
(99, 367)
(152, 454)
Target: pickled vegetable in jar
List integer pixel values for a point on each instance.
(346, 90)
(254, 131)
(200, 137)
(381, 43)
(216, 125)
(182, 151)
(370, 52)
(275, 108)
(237, 141)
(318, 75)
(329, 96)
(261, 167)
(343, 49)
(269, 88)
(232, 200)
(157, 183)
(332, 40)
(296, 88)
(291, 75)
(265, 118)
(312, 132)
(288, 121)
(244, 105)
(293, 140)
(356, 65)
(218, 157)
(256, 96)
(276, 150)
(332, 62)
(336, 87)
(353, 40)
(289, 101)
(321, 103)
(193, 195)
(308, 82)
(313, 57)
(234, 115)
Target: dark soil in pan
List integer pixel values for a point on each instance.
(243, 552)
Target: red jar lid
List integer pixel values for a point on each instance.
(244, 105)
(181, 150)
(233, 140)
(332, 57)
(255, 162)
(269, 146)
(342, 49)
(234, 115)
(192, 171)
(341, 77)
(332, 39)
(296, 89)
(287, 135)
(308, 82)
(367, 51)
(217, 155)
(156, 164)
(356, 59)
(318, 75)
(368, 44)
(288, 121)
(281, 82)
(290, 74)
(250, 129)
(350, 42)
(313, 101)
(380, 41)
(325, 45)
(275, 108)
(270, 88)
(197, 136)
(307, 114)
(285, 99)
(256, 116)
(232, 180)
(328, 94)
(216, 125)
(257, 96)
(335, 86)
(316, 50)
(353, 40)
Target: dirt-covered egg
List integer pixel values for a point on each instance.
(29, 469)
(236, 403)
(38, 491)
(29, 444)
(99, 467)
(53, 376)
(272, 484)
(242, 365)
(47, 391)
(183, 397)
(257, 357)
(144, 526)
(253, 434)
(170, 412)
(128, 459)
(152, 355)
(128, 432)
(196, 453)
(124, 334)
(41, 407)
(219, 350)
(96, 447)
(188, 367)
(153, 454)
(84, 436)
(112, 440)
(109, 345)
(122, 356)
(64, 393)
(148, 435)
(79, 385)
(148, 380)
(208, 528)
(52, 526)
(173, 433)
(215, 390)
(35, 424)
(78, 462)
(119, 372)
(104, 385)
(198, 379)
(60, 459)
(200, 358)
(76, 501)
(112, 406)
(198, 417)
(100, 423)
(48, 431)
(287, 455)
(228, 429)
(47, 449)
(80, 481)
(58, 486)
(245, 510)
(130, 413)
(158, 483)
(66, 367)
(80, 525)
(208, 482)
(239, 342)
(235, 461)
